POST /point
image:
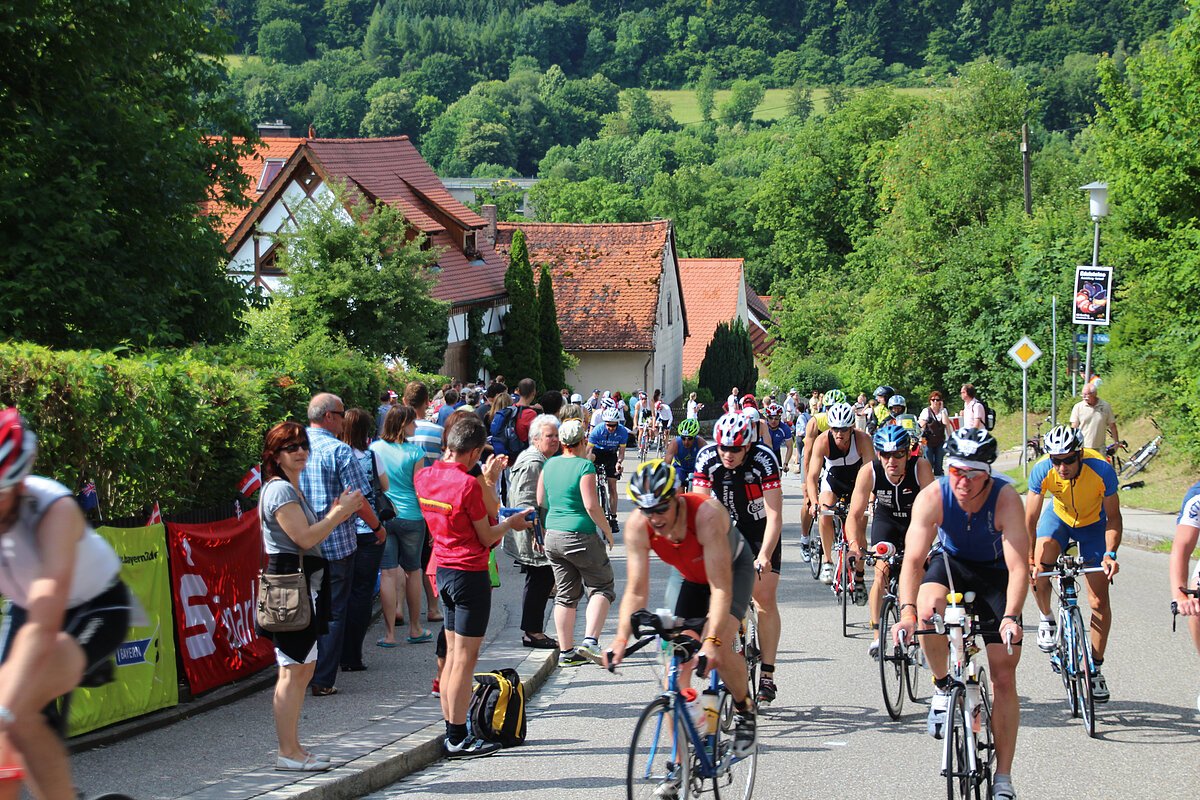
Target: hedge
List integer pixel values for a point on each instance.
(179, 427)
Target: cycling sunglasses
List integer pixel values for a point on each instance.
(736, 448)
(661, 508)
(841, 430)
(687, 438)
(612, 426)
(1071, 459)
(962, 473)
(894, 454)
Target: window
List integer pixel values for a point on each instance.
(469, 243)
(274, 165)
(669, 316)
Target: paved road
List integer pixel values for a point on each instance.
(828, 736)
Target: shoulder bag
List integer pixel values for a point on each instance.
(284, 603)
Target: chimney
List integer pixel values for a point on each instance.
(274, 130)
(488, 212)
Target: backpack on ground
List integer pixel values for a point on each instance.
(496, 712)
(503, 433)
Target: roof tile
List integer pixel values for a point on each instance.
(710, 296)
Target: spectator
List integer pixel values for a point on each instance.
(693, 407)
(292, 533)
(484, 409)
(453, 506)
(861, 410)
(499, 403)
(386, 401)
(791, 407)
(550, 402)
(593, 402)
(622, 406)
(1094, 417)
(814, 402)
(567, 491)
(935, 427)
(331, 470)
(429, 435)
(732, 403)
(523, 546)
(973, 415)
(571, 411)
(526, 389)
(356, 432)
(452, 403)
(401, 459)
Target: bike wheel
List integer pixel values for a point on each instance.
(847, 598)
(750, 648)
(602, 491)
(913, 658)
(1081, 666)
(958, 763)
(1136, 464)
(735, 776)
(985, 743)
(814, 549)
(891, 659)
(660, 754)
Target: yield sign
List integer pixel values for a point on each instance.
(1024, 352)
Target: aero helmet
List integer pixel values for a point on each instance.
(972, 444)
(689, 427)
(18, 448)
(652, 484)
(732, 430)
(840, 415)
(1062, 441)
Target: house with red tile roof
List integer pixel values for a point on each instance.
(759, 310)
(619, 297)
(470, 271)
(714, 291)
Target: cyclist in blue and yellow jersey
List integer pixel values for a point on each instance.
(817, 424)
(1086, 510)
(682, 450)
(882, 395)
(780, 432)
(606, 447)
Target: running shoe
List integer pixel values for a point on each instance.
(827, 574)
(860, 590)
(437, 689)
(1099, 687)
(1003, 790)
(591, 651)
(1047, 637)
(572, 658)
(669, 788)
(470, 747)
(873, 650)
(745, 733)
(806, 548)
(938, 705)
(766, 690)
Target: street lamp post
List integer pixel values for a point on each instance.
(1098, 207)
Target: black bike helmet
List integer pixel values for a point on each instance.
(972, 444)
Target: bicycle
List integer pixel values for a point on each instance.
(1113, 457)
(1143, 455)
(643, 441)
(844, 576)
(602, 491)
(814, 550)
(670, 755)
(899, 666)
(969, 750)
(1072, 657)
(1034, 449)
(1175, 605)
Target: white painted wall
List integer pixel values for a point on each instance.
(668, 355)
(622, 371)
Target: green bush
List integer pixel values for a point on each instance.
(179, 427)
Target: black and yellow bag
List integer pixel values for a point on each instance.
(497, 709)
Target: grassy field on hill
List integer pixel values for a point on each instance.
(686, 110)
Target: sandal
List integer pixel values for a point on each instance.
(384, 643)
(542, 642)
(426, 636)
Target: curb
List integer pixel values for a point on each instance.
(381, 768)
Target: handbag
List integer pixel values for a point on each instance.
(384, 508)
(284, 603)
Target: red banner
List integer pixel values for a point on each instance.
(214, 585)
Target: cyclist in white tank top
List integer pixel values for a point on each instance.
(70, 609)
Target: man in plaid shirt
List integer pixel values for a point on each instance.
(330, 471)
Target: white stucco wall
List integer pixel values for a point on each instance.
(620, 371)
(667, 371)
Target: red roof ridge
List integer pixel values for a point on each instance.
(653, 222)
(360, 139)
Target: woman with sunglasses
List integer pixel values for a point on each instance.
(744, 476)
(1086, 510)
(975, 517)
(893, 480)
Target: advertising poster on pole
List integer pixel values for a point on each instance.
(1093, 295)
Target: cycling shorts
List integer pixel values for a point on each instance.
(1092, 544)
(606, 460)
(466, 600)
(987, 579)
(886, 529)
(690, 600)
(836, 483)
(755, 541)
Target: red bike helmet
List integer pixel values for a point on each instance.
(18, 448)
(732, 430)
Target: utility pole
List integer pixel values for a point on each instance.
(1025, 168)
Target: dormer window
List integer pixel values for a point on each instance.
(273, 167)
(469, 247)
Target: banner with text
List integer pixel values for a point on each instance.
(145, 679)
(214, 576)
(1093, 295)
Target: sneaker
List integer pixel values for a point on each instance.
(669, 788)
(860, 590)
(766, 690)
(805, 548)
(1099, 687)
(612, 523)
(745, 733)
(938, 705)
(873, 650)
(1003, 790)
(572, 658)
(827, 574)
(591, 651)
(437, 689)
(470, 747)
(1047, 638)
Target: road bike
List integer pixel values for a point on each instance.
(1143, 455)
(643, 441)
(899, 665)
(1072, 656)
(1175, 615)
(1034, 448)
(845, 579)
(1112, 455)
(814, 551)
(606, 505)
(671, 755)
(969, 748)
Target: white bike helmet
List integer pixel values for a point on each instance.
(732, 430)
(610, 415)
(1062, 441)
(840, 415)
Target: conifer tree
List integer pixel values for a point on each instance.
(521, 355)
(728, 360)
(553, 373)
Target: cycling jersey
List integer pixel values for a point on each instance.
(822, 421)
(687, 556)
(893, 503)
(602, 439)
(741, 490)
(841, 468)
(1078, 502)
(685, 457)
(664, 414)
(1192, 493)
(779, 437)
(971, 536)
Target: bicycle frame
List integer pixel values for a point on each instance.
(1071, 637)
(959, 627)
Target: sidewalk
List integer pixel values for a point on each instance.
(381, 726)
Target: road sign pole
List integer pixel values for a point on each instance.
(1024, 421)
(1087, 362)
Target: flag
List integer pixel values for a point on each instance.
(88, 500)
(250, 481)
(155, 515)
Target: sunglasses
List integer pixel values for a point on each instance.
(1071, 459)
(961, 473)
(893, 454)
(611, 425)
(841, 430)
(731, 448)
(292, 448)
(687, 438)
(661, 508)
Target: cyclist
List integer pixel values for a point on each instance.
(664, 418)
(642, 413)
(817, 424)
(1187, 531)
(841, 451)
(898, 415)
(683, 449)
(606, 447)
(745, 477)
(882, 395)
(893, 480)
(975, 517)
(779, 434)
(758, 427)
(1087, 510)
(692, 533)
(70, 610)
(597, 417)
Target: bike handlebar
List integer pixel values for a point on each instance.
(1175, 604)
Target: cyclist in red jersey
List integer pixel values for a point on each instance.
(692, 533)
